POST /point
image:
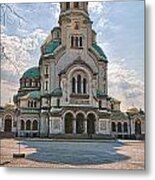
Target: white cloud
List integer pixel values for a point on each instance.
(125, 86)
(8, 90)
(96, 7)
(20, 51)
(19, 54)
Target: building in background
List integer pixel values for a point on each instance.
(67, 94)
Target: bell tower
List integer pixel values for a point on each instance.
(75, 25)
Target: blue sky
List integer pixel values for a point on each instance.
(120, 32)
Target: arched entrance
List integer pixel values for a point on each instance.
(8, 123)
(80, 123)
(91, 124)
(68, 123)
(138, 127)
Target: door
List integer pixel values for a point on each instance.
(8, 124)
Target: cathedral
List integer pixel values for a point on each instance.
(66, 95)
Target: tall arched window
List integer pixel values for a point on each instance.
(119, 127)
(73, 85)
(35, 104)
(113, 126)
(31, 103)
(80, 41)
(35, 125)
(22, 125)
(84, 85)
(79, 84)
(30, 82)
(28, 125)
(76, 5)
(72, 41)
(76, 41)
(125, 127)
(67, 5)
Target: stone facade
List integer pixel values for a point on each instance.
(67, 94)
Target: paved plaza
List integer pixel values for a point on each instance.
(74, 154)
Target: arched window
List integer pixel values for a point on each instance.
(73, 85)
(125, 127)
(35, 104)
(84, 86)
(30, 82)
(28, 125)
(80, 41)
(22, 125)
(100, 104)
(76, 41)
(79, 84)
(67, 5)
(76, 5)
(113, 126)
(31, 103)
(72, 41)
(24, 82)
(119, 127)
(35, 125)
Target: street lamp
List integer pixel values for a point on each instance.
(129, 118)
(19, 154)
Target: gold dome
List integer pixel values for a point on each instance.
(132, 110)
(9, 106)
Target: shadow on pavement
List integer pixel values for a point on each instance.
(75, 153)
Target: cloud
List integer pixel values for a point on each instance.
(125, 86)
(96, 7)
(8, 90)
(18, 54)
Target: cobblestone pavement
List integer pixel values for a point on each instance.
(53, 154)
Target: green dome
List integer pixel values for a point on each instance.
(99, 50)
(56, 92)
(34, 95)
(32, 73)
(50, 48)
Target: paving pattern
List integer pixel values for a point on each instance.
(52, 154)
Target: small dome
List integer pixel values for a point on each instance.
(99, 50)
(32, 73)
(132, 109)
(10, 106)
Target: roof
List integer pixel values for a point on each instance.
(56, 92)
(17, 96)
(99, 50)
(100, 94)
(50, 47)
(55, 28)
(78, 61)
(32, 73)
(34, 95)
(118, 115)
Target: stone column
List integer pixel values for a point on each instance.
(74, 126)
(85, 126)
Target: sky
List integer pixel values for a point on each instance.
(120, 32)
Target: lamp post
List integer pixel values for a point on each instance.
(49, 108)
(129, 118)
(19, 154)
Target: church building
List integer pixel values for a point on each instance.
(66, 95)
